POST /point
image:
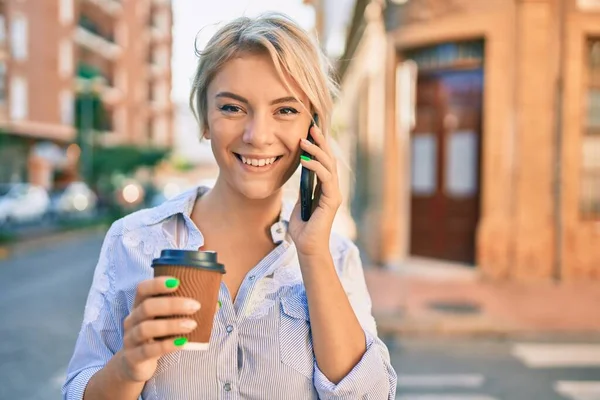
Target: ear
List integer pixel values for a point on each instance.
(206, 133)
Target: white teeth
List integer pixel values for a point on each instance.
(258, 163)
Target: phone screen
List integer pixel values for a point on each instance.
(307, 181)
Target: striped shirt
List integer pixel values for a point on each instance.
(261, 345)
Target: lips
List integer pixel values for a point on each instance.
(257, 163)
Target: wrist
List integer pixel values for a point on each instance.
(311, 263)
(314, 256)
(120, 369)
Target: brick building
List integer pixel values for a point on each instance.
(44, 48)
(474, 130)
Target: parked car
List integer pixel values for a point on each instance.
(74, 201)
(22, 202)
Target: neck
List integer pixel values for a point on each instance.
(225, 207)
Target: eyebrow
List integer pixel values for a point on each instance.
(288, 99)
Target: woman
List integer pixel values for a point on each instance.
(293, 319)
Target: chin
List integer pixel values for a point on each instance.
(257, 190)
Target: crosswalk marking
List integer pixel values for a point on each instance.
(449, 381)
(440, 380)
(578, 390)
(557, 355)
(457, 396)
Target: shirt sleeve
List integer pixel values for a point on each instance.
(373, 377)
(100, 336)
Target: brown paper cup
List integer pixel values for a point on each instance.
(199, 280)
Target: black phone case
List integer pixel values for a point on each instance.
(307, 183)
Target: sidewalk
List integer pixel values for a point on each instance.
(426, 298)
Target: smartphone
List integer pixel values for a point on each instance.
(307, 180)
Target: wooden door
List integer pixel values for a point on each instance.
(445, 165)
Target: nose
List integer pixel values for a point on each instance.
(259, 131)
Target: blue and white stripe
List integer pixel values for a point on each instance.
(261, 346)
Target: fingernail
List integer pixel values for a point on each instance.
(172, 283)
(219, 303)
(306, 141)
(305, 158)
(188, 324)
(180, 341)
(192, 305)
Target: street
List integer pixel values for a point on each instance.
(42, 295)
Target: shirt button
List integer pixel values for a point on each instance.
(252, 277)
(229, 328)
(227, 387)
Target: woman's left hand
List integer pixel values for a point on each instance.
(312, 237)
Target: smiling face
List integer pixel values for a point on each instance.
(255, 125)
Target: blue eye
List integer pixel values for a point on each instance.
(288, 111)
(229, 108)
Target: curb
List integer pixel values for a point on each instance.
(476, 329)
(6, 251)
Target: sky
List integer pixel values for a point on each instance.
(202, 18)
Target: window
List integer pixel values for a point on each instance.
(18, 37)
(2, 82)
(66, 107)
(65, 58)
(161, 56)
(18, 98)
(160, 20)
(66, 11)
(2, 28)
(160, 93)
(160, 131)
(119, 121)
(589, 4)
(590, 193)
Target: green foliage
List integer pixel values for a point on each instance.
(182, 164)
(124, 159)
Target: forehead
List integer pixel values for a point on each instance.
(254, 75)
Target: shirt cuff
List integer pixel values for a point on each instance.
(75, 388)
(368, 379)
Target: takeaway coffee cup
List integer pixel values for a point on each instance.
(200, 275)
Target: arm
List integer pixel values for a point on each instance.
(338, 339)
(117, 353)
(109, 384)
(92, 369)
(351, 361)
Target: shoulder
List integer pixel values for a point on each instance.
(148, 217)
(345, 254)
(341, 246)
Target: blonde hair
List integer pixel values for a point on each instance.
(290, 47)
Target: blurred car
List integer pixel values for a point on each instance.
(22, 202)
(74, 201)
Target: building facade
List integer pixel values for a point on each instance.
(48, 49)
(476, 133)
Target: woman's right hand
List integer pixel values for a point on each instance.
(141, 350)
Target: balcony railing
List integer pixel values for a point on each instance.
(111, 7)
(88, 34)
(102, 84)
(159, 3)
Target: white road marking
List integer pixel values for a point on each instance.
(457, 396)
(440, 380)
(557, 355)
(59, 378)
(578, 390)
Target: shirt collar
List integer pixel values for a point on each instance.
(184, 204)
